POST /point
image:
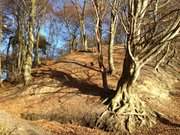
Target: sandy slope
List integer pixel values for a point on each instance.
(70, 92)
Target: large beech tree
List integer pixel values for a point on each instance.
(30, 45)
(149, 31)
(27, 17)
(14, 32)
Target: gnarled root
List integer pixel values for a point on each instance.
(128, 117)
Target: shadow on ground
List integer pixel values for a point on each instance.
(83, 86)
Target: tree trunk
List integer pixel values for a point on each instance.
(19, 68)
(85, 42)
(111, 41)
(103, 69)
(1, 75)
(13, 63)
(17, 45)
(83, 34)
(82, 26)
(29, 53)
(20, 54)
(36, 53)
(110, 58)
(129, 75)
(72, 44)
(127, 111)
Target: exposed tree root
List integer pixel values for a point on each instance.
(132, 115)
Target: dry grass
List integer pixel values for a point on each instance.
(70, 91)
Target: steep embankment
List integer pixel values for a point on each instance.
(70, 92)
(10, 125)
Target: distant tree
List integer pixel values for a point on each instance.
(42, 9)
(113, 28)
(68, 17)
(43, 44)
(100, 7)
(81, 17)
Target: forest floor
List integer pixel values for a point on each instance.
(65, 97)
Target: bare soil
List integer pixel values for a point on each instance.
(66, 96)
